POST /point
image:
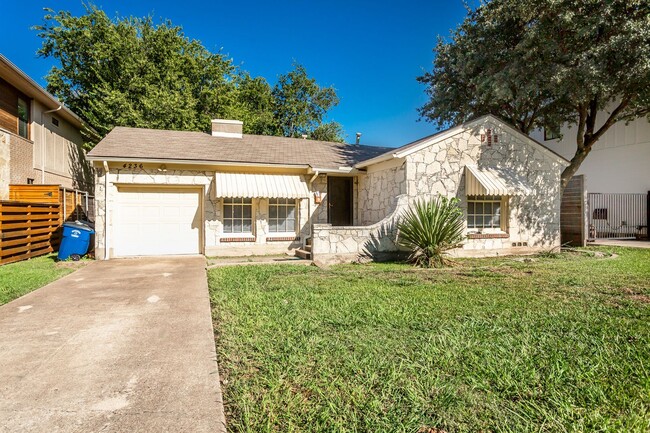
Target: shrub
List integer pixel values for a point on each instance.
(430, 228)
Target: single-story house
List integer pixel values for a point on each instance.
(228, 193)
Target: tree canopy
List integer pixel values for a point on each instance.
(544, 64)
(133, 72)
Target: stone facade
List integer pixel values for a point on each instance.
(381, 193)
(216, 243)
(378, 189)
(533, 220)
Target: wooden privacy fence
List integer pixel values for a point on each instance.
(75, 204)
(28, 229)
(30, 222)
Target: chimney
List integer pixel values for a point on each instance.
(227, 128)
(358, 138)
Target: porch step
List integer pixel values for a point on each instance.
(307, 248)
(303, 253)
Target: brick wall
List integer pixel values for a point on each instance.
(21, 165)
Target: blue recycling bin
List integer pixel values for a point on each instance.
(75, 241)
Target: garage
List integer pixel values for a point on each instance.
(154, 221)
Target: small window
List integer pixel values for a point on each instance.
(238, 215)
(549, 134)
(55, 121)
(23, 118)
(282, 215)
(484, 212)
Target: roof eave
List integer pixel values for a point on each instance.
(93, 158)
(53, 102)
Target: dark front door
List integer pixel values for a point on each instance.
(339, 201)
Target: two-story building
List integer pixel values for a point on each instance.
(40, 139)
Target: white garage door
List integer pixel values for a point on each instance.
(155, 221)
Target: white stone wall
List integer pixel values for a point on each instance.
(534, 219)
(378, 189)
(212, 209)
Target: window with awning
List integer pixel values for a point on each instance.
(491, 181)
(244, 185)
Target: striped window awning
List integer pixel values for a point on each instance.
(494, 181)
(240, 185)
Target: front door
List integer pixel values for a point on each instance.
(339, 201)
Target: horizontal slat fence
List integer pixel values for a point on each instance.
(28, 229)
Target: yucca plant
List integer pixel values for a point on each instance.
(430, 228)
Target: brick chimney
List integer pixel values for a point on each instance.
(227, 128)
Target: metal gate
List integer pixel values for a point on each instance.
(618, 215)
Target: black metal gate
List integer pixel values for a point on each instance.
(618, 215)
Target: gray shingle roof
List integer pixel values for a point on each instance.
(139, 143)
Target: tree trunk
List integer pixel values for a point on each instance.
(573, 167)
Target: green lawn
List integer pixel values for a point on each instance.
(19, 278)
(549, 345)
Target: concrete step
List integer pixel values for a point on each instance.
(303, 254)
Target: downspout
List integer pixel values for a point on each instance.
(43, 142)
(106, 211)
(311, 181)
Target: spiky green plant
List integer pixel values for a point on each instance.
(431, 228)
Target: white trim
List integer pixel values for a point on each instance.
(193, 162)
(229, 121)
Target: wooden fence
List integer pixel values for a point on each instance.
(28, 229)
(30, 221)
(573, 213)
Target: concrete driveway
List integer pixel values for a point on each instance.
(118, 346)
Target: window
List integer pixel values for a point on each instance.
(549, 134)
(23, 118)
(55, 121)
(238, 215)
(484, 212)
(282, 215)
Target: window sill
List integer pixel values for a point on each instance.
(488, 235)
(278, 237)
(236, 238)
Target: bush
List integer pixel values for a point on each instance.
(430, 228)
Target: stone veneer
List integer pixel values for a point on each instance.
(438, 169)
(212, 209)
(378, 189)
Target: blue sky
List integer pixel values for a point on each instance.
(370, 51)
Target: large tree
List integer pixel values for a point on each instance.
(301, 105)
(544, 64)
(132, 72)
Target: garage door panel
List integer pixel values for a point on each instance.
(151, 221)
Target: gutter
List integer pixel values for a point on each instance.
(192, 162)
(311, 181)
(106, 249)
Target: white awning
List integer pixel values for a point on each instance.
(494, 181)
(231, 185)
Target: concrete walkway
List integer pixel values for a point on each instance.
(118, 346)
(632, 243)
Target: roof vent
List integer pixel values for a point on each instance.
(227, 128)
(358, 138)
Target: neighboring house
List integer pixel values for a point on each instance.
(618, 163)
(616, 177)
(169, 192)
(40, 139)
